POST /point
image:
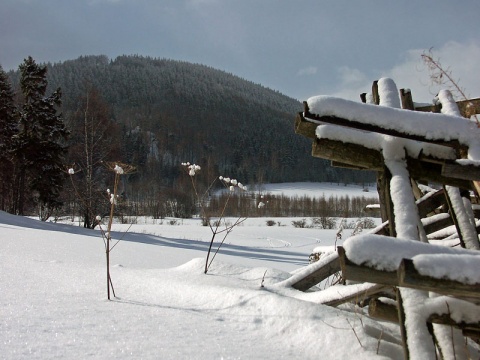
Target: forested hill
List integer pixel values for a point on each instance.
(167, 112)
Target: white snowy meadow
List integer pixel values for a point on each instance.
(54, 304)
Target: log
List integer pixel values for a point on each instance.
(382, 310)
(348, 153)
(461, 171)
(466, 107)
(353, 124)
(369, 159)
(328, 269)
(426, 169)
(304, 127)
(446, 319)
(358, 296)
(409, 277)
(351, 271)
(423, 170)
(407, 101)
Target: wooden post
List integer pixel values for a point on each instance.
(376, 96)
(407, 101)
(401, 321)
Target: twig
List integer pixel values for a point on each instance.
(263, 279)
(438, 74)
(355, 333)
(379, 340)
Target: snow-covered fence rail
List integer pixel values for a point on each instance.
(406, 147)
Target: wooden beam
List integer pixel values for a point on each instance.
(353, 124)
(409, 277)
(438, 225)
(351, 271)
(329, 268)
(453, 215)
(422, 170)
(401, 322)
(348, 153)
(357, 297)
(459, 171)
(429, 203)
(343, 165)
(446, 319)
(370, 159)
(467, 107)
(304, 127)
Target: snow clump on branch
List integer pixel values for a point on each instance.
(118, 169)
(192, 168)
(233, 183)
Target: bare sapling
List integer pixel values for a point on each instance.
(440, 75)
(219, 227)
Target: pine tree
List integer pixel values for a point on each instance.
(8, 126)
(40, 143)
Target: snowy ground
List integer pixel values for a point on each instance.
(313, 189)
(53, 296)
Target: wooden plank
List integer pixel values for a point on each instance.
(351, 271)
(469, 107)
(328, 269)
(409, 277)
(466, 107)
(353, 124)
(357, 297)
(459, 171)
(342, 165)
(429, 170)
(429, 203)
(362, 157)
(422, 170)
(348, 153)
(370, 159)
(454, 217)
(438, 225)
(304, 127)
(446, 319)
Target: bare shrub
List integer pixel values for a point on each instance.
(299, 223)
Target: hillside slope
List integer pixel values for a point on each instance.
(175, 111)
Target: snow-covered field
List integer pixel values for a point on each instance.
(53, 295)
(313, 189)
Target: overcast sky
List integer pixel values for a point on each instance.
(301, 48)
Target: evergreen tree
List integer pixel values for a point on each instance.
(8, 126)
(40, 143)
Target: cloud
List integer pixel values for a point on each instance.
(95, 2)
(310, 70)
(460, 58)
